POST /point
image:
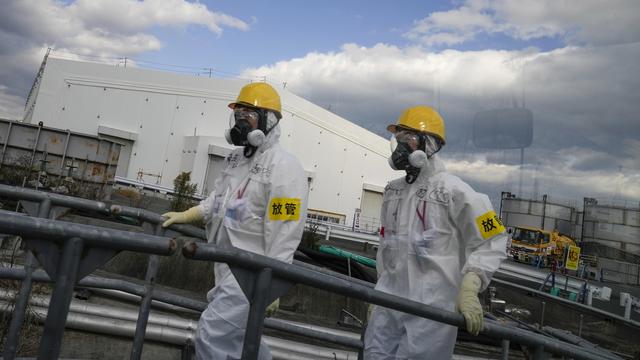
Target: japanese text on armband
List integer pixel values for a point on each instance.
(284, 209)
(489, 224)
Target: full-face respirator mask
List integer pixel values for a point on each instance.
(241, 131)
(410, 151)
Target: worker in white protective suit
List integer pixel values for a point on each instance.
(440, 243)
(258, 204)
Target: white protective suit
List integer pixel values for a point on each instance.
(433, 232)
(258, 204)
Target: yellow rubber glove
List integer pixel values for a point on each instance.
(271, 309)
(188, 216)
(469, 304)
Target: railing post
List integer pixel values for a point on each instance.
(255, 322)
(60, 299)
(539, 353)
(580, 325)
(145, 305)
(187, 351)
(543, 304)
(13, 336)
(505, 350)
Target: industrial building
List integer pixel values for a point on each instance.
(169, 123)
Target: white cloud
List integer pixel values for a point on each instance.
(99, 30)
(576, 22)
(584, 101)
(133, 16)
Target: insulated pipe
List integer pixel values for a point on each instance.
(328, 335)
(106, 325)
(188, 306)
(113, 287)
(27, 226)
(113, 312)
(280, 348)
(86, 308)
(255, 262)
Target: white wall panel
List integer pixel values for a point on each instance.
(154, 104)
(154, 124)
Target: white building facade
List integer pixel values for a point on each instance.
(171, 123)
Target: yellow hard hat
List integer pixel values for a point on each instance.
(420, 118)
(260, 95)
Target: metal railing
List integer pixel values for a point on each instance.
(259, 275)
(14, 223)
(78, 249)
(263, 279)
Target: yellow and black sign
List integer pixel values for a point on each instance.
(573, 258)
(489, 224)
(284, 209)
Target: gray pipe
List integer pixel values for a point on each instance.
(280, 348)
(84, 307)
(28, 226)
(188, 304)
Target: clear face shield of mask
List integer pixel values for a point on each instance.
(410, 151)
(241, 123)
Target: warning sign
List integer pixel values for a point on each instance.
(573, 258)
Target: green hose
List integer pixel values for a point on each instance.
(346, 254)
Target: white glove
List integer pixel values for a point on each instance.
(188, 216)
(271, 309)
(469, 304)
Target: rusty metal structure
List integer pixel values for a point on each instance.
(49, 152)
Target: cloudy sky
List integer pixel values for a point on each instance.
(574, 64)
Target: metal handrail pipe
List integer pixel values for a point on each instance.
(153, 218)
(28, 226)
(15, 192)
(19, 193)
(296, 274)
